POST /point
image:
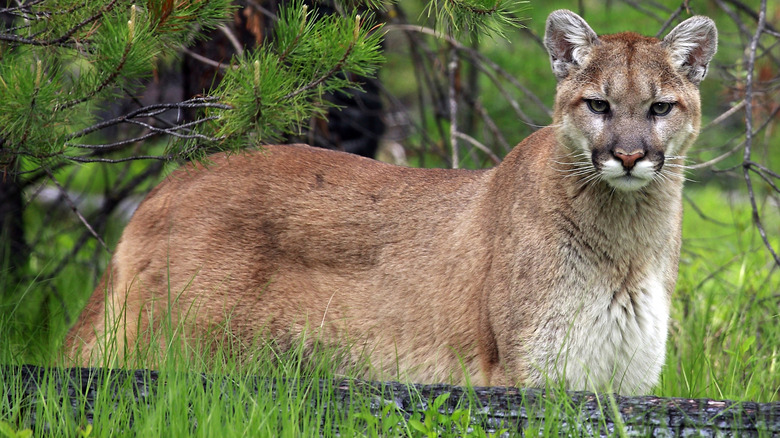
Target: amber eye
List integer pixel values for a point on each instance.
(598, 106)
(661, 108)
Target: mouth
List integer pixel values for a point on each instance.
(625, 178)
(627, 182)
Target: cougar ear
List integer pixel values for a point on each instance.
(568, 39)
(692, 45)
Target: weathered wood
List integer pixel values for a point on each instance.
(492, 408)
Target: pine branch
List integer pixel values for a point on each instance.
(330, 73)
(101, 86)
(65, 36)
(486, 17)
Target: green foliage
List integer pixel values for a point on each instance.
(433, 423)
(480, 17)
(84, 432)
(272, 90)
(67, 65)
(70, 57)
(8, 431)
(31, 92)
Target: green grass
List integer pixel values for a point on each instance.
(725, 334)
(273, 394)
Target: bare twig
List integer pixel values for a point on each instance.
(746, 165)
(730, 152)
(75, 210)
(493, 157)
(747, 10)
(115, 145)
(734, 17)
(237, 46)
(641, 7)
(765, 169)
(85, 159)
(700, 212)
(491, 125)
(452, 71)
(174, 131)
(478, 58)
(149, 111)
(424, 60)
(728, 113)
(765, 174)
(717, 159)
(208, 61)
(268, 13)
(111, 201)
(669, 21)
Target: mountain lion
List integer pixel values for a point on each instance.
(557, 264)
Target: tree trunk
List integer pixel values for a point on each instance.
(14, 252)
(492, 408)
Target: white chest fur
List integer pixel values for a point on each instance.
(617, 341)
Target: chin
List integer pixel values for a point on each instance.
(628, 183)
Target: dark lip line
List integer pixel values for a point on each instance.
(628, 175)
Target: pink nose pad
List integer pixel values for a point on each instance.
(629, 159)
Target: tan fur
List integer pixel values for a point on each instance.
(546, 266)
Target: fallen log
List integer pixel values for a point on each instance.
(491, 408)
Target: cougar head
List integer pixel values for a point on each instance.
(627, 106)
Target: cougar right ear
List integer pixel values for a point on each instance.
(568, 40)
(692, 44)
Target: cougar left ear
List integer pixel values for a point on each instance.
(568, 39)
(692, 44)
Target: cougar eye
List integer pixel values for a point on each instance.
(660, 108)
(598, 106)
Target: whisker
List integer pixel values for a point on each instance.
(575, 163)
(662, 176)
(612, 193)
(572, 163)
(677, 166)
(595, 176)
(581, 170)
(582, 176)
(668, 175)
(573, 167)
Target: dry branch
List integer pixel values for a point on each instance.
(746, 164)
